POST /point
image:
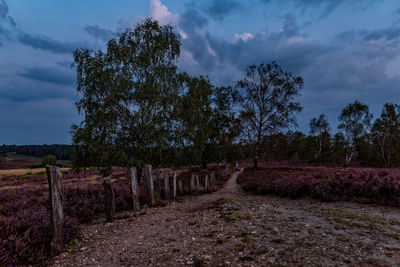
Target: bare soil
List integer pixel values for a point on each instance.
(231, 228)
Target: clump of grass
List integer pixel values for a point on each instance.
(27, 175)
(73, 243)
(233, 217)
(224, 200)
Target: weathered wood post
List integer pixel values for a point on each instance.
(212, 181)
(180, 187)
(192, 186)
(158, 181)
(148, 172)
(166, 184)
(56, 196)
(197, 183)
(174, 185)
(109, 198)
(134, 187)
(206, 182)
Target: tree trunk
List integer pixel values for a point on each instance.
(56, 196)
(255, 162)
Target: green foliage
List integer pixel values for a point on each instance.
(49, 160)
(267, 102)
(27, 175)
(355, 122)
(128, 95)
(197, 116)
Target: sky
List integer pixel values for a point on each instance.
(345, 50)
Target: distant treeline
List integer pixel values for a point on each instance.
(61, 152)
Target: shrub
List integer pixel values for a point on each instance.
(326, 184)
(49, 160)
(3, 162)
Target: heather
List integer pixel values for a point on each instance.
(25, 217)
(326, 184)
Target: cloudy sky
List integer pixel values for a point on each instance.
(345, 50)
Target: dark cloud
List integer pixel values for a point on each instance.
(219, 9)
(287, 46)
(3, 9)
(12, 21)
(47, 44)
(99, 33)
(351, 66)
(49, 75)
(193, 24)
(324, 7)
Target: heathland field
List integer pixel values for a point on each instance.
(277, 215)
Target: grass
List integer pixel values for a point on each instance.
(351, 219)
(233, 217)
(21, 172)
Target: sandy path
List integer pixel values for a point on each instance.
(229, 227)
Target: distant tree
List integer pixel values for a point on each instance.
(340, 148)
(268, 102)
(197, 117)
(225, 122)
(128, 98)
(3, 162)
(385, 134)
(49, 160)
(319, 128)
(355, 122)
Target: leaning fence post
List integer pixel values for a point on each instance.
(56, 196)
(166, 183)
(174, 185)
(148, 171)
(134, 187)
(109, 199)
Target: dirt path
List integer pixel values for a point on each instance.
(229, 227)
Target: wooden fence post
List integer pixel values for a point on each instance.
(56, 196)
(158, 181)
(192, 186)
(109, 198)
(197, 183)
(174, 185)
(166, 184)
(148, 171)
(134, 187)
(212, 181)
(180, 187)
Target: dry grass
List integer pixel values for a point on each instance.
(18, 172)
